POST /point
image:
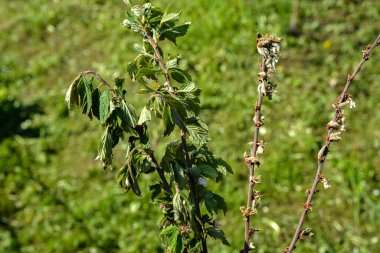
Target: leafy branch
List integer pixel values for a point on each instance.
(187, 164)
(335, 128)
(268, 47)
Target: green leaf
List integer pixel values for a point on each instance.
(172, 33)
(179, 176)
(191, 105)
(88, 88)
(136, 187)
(217, 234)
(132, 23)
(122, 178)
(208, 171)
(173, 63)
(178, 121)
(175, 244)
(138, 10)
(119, 85)
(204, 156)
(173, 153)
(132, 70)
(156, 191)
(127, 114)
(104, 107)
(148, 72)
(214, 203)
(145, 116)
(195, 172)
(189, 90)
(167, 119)
(170, 17)
(195, 246)
(198, 132)
(177, 105)
(95, 103)
(168, 231)
(179, 75)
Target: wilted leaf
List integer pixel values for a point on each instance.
(105, 148)
(167, 119)
(72, 96)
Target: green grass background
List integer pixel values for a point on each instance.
(55, 198)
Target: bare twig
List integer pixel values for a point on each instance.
(268, 47)
(332, 136)
(251, 200)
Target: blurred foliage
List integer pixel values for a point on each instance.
(56, 198)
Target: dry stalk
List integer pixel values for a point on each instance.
(335, 127)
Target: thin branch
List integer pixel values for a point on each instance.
(251, 200)
(98, 76)
(160, 61)
(193, 190)
(268, 47)
(332, 136)
(159, 170)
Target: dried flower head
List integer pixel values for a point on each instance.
(269, 47)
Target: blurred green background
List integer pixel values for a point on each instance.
(55, 198)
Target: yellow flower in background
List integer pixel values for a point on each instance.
(326, 44)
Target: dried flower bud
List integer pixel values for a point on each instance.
(260, 150)
(261, 88)
(268, 46)
(352, 103)
(334, 137)
(262, 75)
(333, 124)
(325, 182)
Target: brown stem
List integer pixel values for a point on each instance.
(324, 153)
(99, 77)
(160, 61)
(193, 190)
(250, 199)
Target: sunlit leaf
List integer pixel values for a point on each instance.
(145, 116)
